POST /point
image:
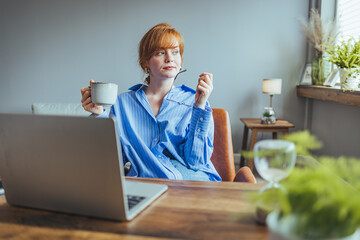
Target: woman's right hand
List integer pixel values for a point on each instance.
(87, 104)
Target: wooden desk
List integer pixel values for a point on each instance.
(255, 125)
(189, 209)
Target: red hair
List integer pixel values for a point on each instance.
(161, 36)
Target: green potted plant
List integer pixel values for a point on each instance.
(346, 56)
(318, 32)
(319, 200)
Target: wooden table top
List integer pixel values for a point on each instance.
(189, 209)
(256, 123)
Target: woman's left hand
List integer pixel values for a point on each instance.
(203, 89)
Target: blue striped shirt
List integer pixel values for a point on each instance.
(180, 131)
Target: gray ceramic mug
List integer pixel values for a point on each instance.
(104, 94)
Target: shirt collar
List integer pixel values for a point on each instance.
(137, 87)
(187, 89)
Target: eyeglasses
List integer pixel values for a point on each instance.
(172, 100)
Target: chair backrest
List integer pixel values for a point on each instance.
(223, 155)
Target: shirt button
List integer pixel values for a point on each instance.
(159, 156)
(155, 139)
(198, 130)
(201, 119)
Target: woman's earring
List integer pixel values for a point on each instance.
(147, 70)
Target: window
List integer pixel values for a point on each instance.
(348, 17)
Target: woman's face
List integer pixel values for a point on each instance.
(165, 63)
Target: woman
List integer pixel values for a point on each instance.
(165, 131)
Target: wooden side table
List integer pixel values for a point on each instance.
(255, 125)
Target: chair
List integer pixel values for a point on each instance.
(223, 156)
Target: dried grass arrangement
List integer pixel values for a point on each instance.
(318, 32)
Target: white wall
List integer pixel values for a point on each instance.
(49, 49)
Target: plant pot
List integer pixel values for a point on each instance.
(283, 230)
(348, 82)
(318, 69)
(268, 116)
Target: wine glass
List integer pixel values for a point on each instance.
(274, 160)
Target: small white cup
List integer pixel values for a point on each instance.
(104, 94)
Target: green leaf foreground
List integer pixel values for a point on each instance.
(322, 192)
(303, 140)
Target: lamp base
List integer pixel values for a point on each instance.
(268, 116)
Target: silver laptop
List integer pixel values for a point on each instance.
(69, 164)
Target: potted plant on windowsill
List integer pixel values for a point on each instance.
(318, 32)
(319, 200)
(346, 56)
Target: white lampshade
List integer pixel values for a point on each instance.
(272, 86)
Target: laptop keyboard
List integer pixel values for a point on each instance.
(134, 200)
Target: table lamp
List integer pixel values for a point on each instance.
(270, 86)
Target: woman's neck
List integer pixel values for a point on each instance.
(156, 92)
(159, 87)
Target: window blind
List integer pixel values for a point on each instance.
(348, 18)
